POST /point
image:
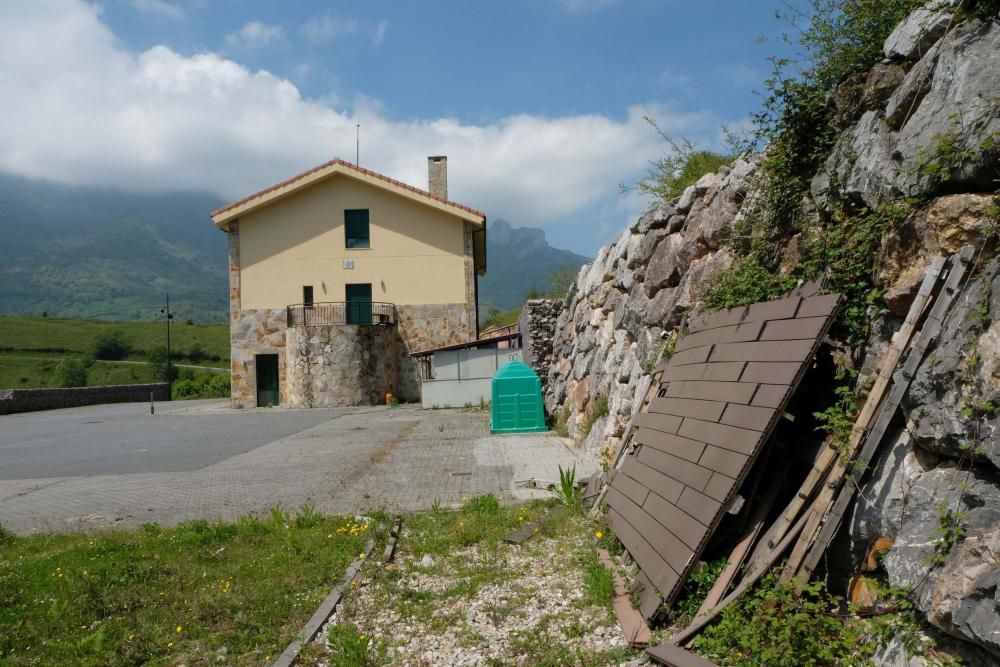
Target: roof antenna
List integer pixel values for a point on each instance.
(357, 144)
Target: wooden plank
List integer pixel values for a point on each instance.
(767, 350)
(649, 598)
(685, 448)
(888, 362)
(710, 411)
(666, 487)
(693, 356)
(719, 486)
(929, 332)
(731, 392)
(631, 622)
(675, 656)
(749, 417)
(720, 318)
(691, 474)
(725, 371)
(773, 310)
(739, 552)
(822, 305)
(734, 439)
(702, 338)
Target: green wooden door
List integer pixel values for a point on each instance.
(359, 304)
(268, 393)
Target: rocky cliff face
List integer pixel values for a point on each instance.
(924, 123)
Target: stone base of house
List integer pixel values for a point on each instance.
(341, 365)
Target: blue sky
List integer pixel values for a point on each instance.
(539, 104)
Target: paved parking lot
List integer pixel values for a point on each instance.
(118, 465)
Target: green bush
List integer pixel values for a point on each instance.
(196, 353)
(205, 385)
(70, 372)
(746, 281)
(111, 345)
(158, 359)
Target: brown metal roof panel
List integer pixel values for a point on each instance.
(699, 506)
(664, 486)
(689, 473)
(685, 448)
(771, 372)
(772, 350)
(773, 310)
(719, 486)
(695, 355)
(797, 329)
(746, 416)
(658, 422)
(660, 574)
(675, 656)
(731, 392)
(821, 305)
(649, 598)
(728, 437)
(683, 525)
(719, 318)
(726, 371)
(771, 395)
(667, 545)
(744, 332)
(722, 460)
(633, 490)
(686, 407)
(701, 338)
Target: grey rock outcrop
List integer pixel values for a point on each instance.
(917, 32)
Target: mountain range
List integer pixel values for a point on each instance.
(105, 253)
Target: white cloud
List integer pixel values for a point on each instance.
(163, 121)
(671, 79)
(255, 35)
(326, 28)
(158, 8)
(585, 6)
(742, 75)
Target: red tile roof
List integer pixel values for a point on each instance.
(351, 167)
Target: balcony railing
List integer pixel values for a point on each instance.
(333, 313)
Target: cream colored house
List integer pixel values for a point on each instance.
(338, 275)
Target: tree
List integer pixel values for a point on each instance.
(680, 166)
(560, 281)
(111, 345)
(70, 372)
(196, 353)
(158, 359)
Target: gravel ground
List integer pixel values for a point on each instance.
(495, 605)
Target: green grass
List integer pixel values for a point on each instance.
(65, 336)
(200, 593)
(23, 372)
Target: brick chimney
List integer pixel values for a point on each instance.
(437, 176)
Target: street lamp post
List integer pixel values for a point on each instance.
(169, 317)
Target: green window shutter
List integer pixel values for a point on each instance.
(356, 230)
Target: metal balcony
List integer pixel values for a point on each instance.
(335, 313)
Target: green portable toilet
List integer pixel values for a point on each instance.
(517, 400)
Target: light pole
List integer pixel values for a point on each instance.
(169, 316)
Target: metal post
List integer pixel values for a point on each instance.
(169, 316)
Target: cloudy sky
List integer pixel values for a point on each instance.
(538, 104)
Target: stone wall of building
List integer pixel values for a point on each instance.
(30, 400)
(425, 327)
(538, 326)
(255, 332)
(341, 365)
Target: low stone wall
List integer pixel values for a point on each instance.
(30, 400)
(341, 365)
(538, 326)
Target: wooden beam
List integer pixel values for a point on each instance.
(901, 382)
(842, 465)
(631, 622)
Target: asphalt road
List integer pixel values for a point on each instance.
(124, 438)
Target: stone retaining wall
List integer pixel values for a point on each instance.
(538, 326)
(30, 400)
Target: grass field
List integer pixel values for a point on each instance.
(31, 347)
(62, 336)
(200, 593)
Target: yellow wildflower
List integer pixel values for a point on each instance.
(598, 534)
(179, 628)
